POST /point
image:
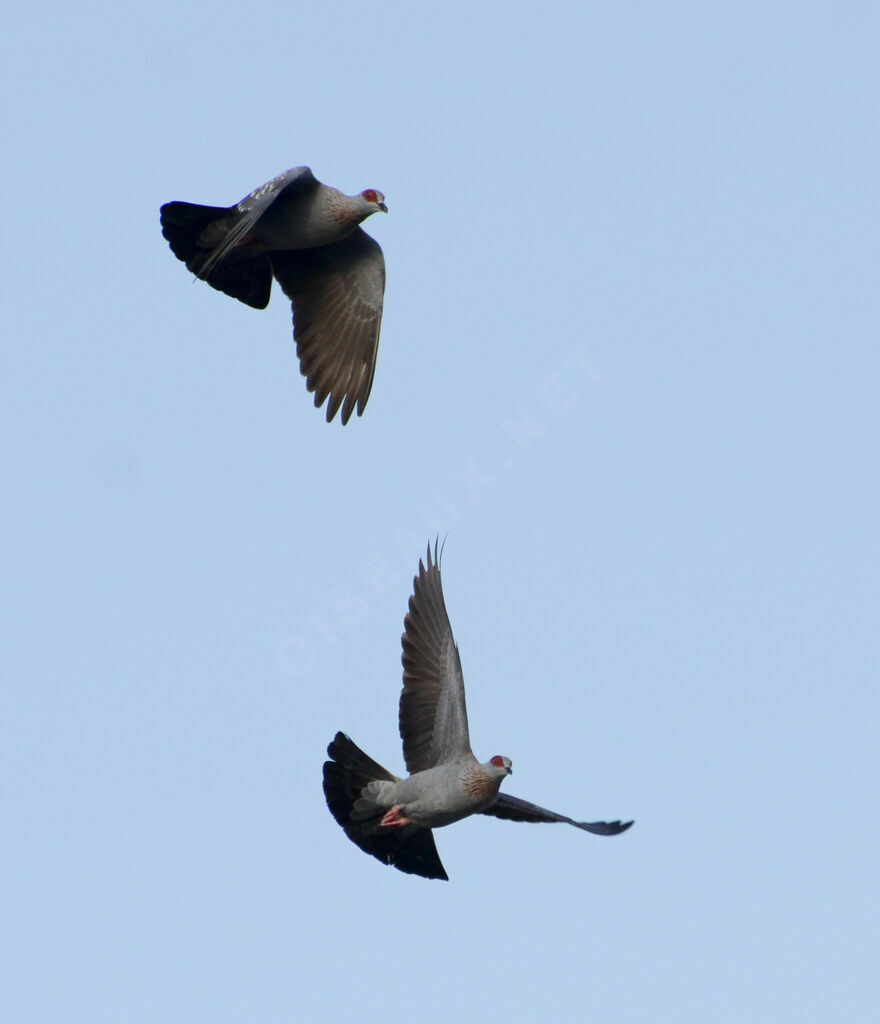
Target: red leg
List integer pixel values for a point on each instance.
(394, 817)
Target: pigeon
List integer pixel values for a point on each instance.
(307, 236)
(391, 818)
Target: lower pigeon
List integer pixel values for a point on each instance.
(392, 818)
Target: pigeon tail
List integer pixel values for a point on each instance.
(245, 277)
(408, 848)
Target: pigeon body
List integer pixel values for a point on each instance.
(392, 818)
(435, 797)
(307, 236)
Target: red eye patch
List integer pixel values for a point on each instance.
(370, 195)
(498, 761)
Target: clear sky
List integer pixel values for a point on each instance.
(629, 367)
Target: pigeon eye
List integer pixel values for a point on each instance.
(370, 195)
(498, 761)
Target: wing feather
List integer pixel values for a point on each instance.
(433, 712)
(512, 808)
(336, 292)
(297, 181)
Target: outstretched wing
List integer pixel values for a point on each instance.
(337, 292)
(513, 809)
(295, 182)
(433, 715)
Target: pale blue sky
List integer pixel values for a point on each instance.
(629, 365)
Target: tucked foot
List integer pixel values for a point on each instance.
(394, 817)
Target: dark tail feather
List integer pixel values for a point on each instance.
(248, 279)
(409, 849)
(182, 223)
(351, 770)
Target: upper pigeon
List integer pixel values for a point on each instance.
(307, 235)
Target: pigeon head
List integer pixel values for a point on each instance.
(500, 765)
(374, 201)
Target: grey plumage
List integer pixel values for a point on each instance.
(392, 818)
(307, 236)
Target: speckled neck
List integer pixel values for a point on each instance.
(481, 787)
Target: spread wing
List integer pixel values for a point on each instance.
(337, 292)
(513, 809)
(242, 217)
(433, 715)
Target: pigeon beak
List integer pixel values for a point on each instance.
(382, 207)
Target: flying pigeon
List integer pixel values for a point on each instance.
(392, 818)
(305, 234)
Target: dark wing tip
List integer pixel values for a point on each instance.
(333, 405)
(427, 565)
(605, 828)
(345, 399)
